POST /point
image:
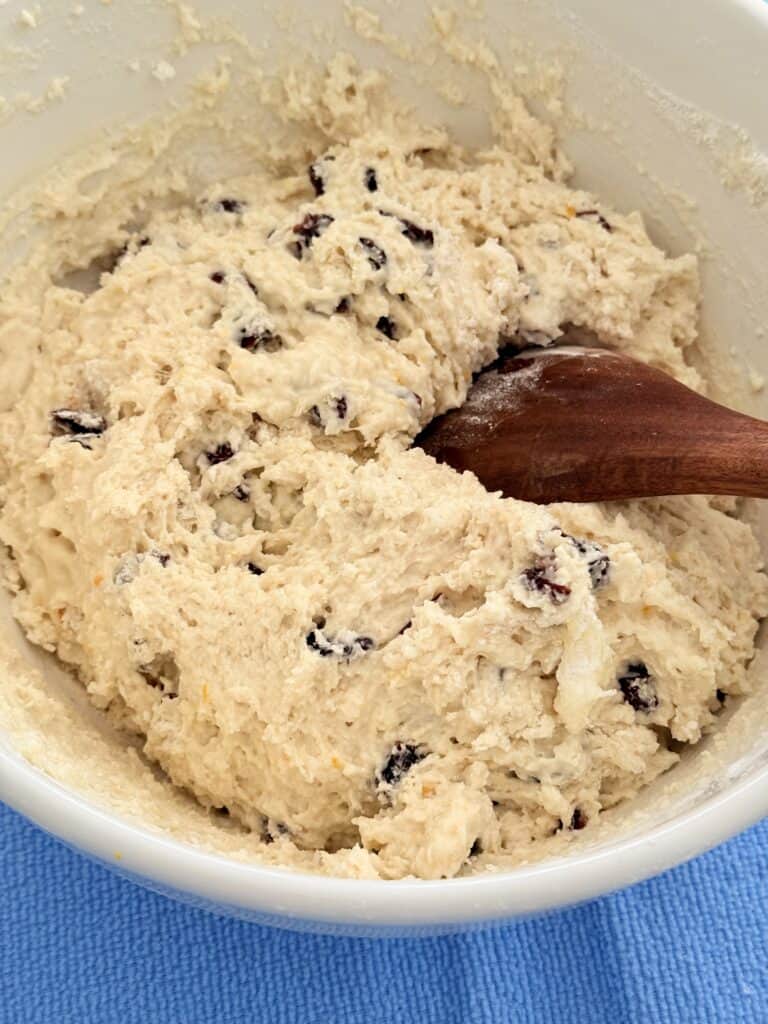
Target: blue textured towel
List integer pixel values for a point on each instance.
(80, 946)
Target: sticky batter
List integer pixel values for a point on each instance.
(215, 519)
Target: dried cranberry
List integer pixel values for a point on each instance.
(386, 326)
(539, 578)
(220, 453)
(399, 762)
(376, 255)
(637, 687)
(370, 179)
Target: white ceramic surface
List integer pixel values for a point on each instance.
(708, 54)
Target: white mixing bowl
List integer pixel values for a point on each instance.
(658, 90)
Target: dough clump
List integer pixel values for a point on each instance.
(217, 522)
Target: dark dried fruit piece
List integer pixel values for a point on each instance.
(242, 492)
(399, 762)
(595, 216)
(417, 235)
(77, 422)
(220, 453)
(578, 820)
(274, 830)
(539, 578)
(254, 569)
(376, 255)
(131, 247)
(263, 340)
(386, 326)
(218, 276)
(316, 179)
(370, 179)
(162, 673)
(343, 305)
(228, 205)
(598, 562)
(313, 225)
(345, 645)
(720, 696)
(337, 406)
(637, 687)
(599, 569)
(577, 823)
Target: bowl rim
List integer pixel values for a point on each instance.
(299, 898)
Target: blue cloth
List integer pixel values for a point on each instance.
(80, 946)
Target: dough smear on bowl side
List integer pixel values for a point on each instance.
(217, 523)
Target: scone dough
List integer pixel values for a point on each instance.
(217, 522)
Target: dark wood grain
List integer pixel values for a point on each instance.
(594, 425)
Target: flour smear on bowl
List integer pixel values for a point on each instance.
(360, 662)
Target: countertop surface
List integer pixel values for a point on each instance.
(78, 944)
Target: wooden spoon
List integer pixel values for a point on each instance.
(586, 424)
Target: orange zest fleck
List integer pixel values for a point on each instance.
(570, 211)
(427, 789)
(336, 762)
(98, 579)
